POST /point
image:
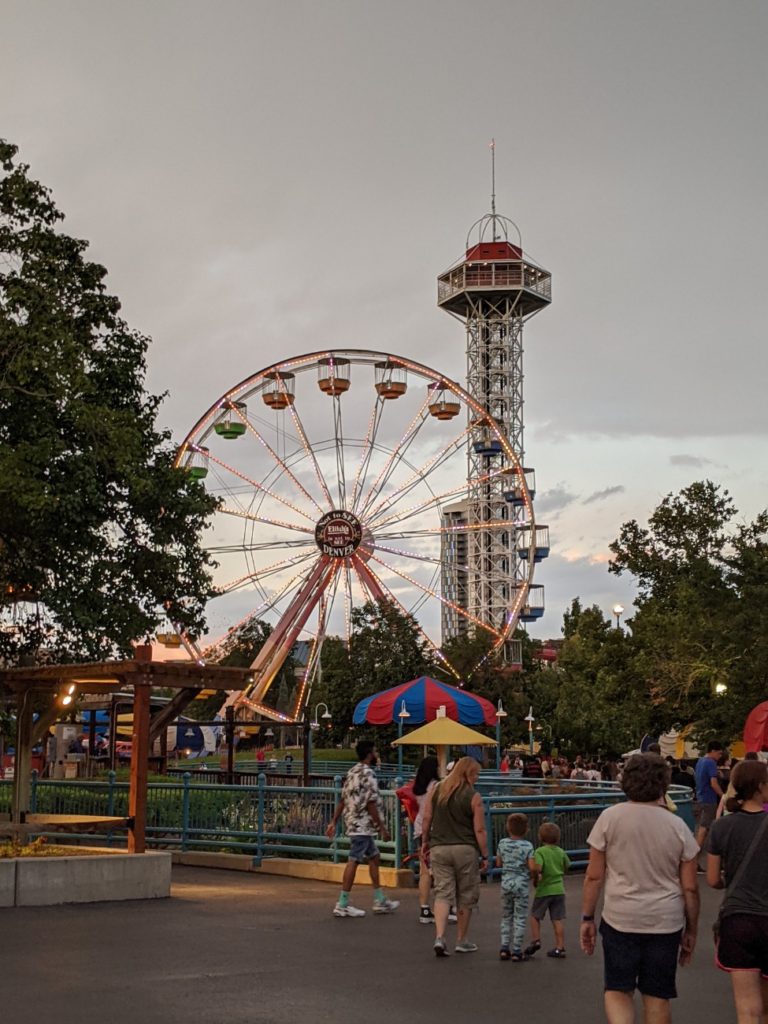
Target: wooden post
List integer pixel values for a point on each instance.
(137, 798)
(23, 760)
(230, 740)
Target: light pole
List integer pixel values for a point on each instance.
(402, 714)
(530, 720)
(618, 611)
(315, 724)
(500, 713)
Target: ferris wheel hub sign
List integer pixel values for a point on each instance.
(338, 533)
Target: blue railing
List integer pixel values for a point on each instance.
(268, 820)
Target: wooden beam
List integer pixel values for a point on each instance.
(137, 797)
(163, 718)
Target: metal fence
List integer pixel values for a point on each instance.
(289, 820)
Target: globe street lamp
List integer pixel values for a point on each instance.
(402, 714)
(618, 611)
(530, 720)
(315, 724)
(500, 713)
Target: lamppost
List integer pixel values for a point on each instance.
(618, 611)
(500, 713)
(402, 714)
(315, 724)
(530, 720)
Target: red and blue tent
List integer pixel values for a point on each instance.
(423, 696)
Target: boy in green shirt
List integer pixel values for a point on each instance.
(552, 863)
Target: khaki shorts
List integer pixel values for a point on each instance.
(456, 874)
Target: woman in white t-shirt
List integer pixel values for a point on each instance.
(646, 858)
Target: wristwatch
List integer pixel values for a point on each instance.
(587, 917)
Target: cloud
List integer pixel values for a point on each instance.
(690, 460)
(608, 492)
(555, 500)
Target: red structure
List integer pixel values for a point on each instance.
(756, 728)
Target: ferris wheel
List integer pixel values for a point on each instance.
(335, 472)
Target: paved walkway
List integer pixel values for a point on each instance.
(233, 948)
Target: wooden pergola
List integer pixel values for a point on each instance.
(44, 685)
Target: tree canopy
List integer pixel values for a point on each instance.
(99, 533)
(699, 632)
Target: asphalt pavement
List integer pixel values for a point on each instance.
(235, 948)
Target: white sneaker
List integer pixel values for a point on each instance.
(385, 906)
(348, 911)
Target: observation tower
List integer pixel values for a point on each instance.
(493, 290)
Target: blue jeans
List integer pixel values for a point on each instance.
(514, 913)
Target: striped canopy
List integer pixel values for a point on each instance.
(423, 696)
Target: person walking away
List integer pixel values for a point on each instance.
(361, 806)
(455, 840)
(425, 781)
(646, 858)
(708, 790)
(738, 844)
(551, 863)
(514, 855)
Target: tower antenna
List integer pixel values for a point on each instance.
(493, 187)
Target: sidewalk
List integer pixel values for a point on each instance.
(232, 948)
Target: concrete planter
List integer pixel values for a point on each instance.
(46, 881)
(7, 883)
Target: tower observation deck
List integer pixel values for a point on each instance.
(493, 290)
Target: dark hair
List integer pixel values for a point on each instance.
(549, 833)
(645, 778)
(653, 748)
(714, 745)
(751, 755)
(517, 825)
(425, 773)
(364, 748)
(747, 778)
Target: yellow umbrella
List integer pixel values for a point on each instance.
(443, 733)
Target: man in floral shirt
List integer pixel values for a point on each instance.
(361, 807)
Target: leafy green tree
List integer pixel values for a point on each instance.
(386, 648)
(602, 704)
(99, 533)
(699, 629)
(486, 673)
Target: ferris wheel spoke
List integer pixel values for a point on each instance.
(264, 521)
(273, 454)
(433, 593)
(492, 524)
(435, 499)
(395, 455)
(255, 484)
(421, 474)
(347, 601)
(421, 558)
(324, 610)
(308, 448)
(382, 591)
(270, 545)
(279, 644)
(338, 431)
(259, 574)
(365, 458)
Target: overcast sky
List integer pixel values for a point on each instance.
(264, 179)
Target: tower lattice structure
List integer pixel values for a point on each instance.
(493, 290)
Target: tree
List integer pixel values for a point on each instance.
(99, 533)
(602, 703)
(386, 648)
(699, 630)
(484, 672)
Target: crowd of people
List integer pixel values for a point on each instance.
(644, 862)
